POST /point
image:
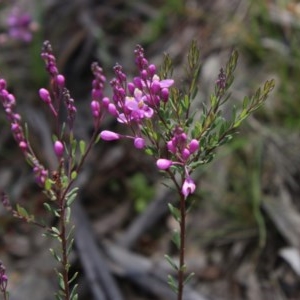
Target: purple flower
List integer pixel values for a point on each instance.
(163, 163)
(107, 135)
(188, 187)
(20, 25)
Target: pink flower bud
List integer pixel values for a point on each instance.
(23, 145)
(105, 101)
(112, 109)
(155, 87)
(45, 96)
(193, 146)
(107, 135)
(60, 80)
(144, 74)
(163, 163)
(2, 84)
(95, 106)
(11, 98)
(185, 153)
(151, 69)
(131, 87)
(138, 82)
(59, 148)
(171, 147)
(165, 94)
(139, 143)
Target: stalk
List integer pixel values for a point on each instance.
(181, 269)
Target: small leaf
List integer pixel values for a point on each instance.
(176, 238)
(48, 184)
(82, 147)
(61, 281)
(55, 255)
(73, 175)
(171, 262)
(68, 214)
(189, 277)
(74, 295)
(22, 211)
(175, 212)
(172, 283)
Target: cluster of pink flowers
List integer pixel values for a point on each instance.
(182, 152)
(97, 94)
(135, 101)
(9, 104)
(20, 25)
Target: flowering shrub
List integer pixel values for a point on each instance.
(160, 120)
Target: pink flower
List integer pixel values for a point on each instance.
(20, 25)
(163, 163)
(107, 135)
(188, 187)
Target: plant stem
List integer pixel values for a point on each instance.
(181, 269)
(64, 246)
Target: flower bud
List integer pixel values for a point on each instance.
(95, 107)
(151, 69)
(185, 153)
(23, 145)
(155, 87)
(193, 146)
(139, 143)
(112, 109)
(164, 94)
(163, 163)
(45, 96)
(60, 80)
(107, 135)
(59, 148)
(171, 147)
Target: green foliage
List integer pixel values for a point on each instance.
(141, 192)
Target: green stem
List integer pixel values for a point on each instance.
(181, 269)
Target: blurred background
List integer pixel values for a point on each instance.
(243, 238)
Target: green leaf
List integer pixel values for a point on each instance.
(189, 277)
(55, 255)
(172, 283)
(48, 184)
(22, 211)
(74, 295)
(68, 214)
(82, 147)
(171, 262)
(176, 238)
(175, 212)
(61, 281)
(71, 196)
(73, 175)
